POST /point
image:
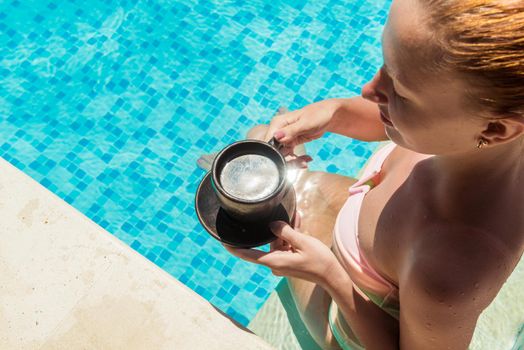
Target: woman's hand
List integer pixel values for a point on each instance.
(293, 254)
(303, 125)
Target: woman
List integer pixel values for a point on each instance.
(410, 257)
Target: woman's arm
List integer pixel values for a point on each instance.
(374, 328)
(308, 258)
(444, 285)
(357, 118)
(448, 280)
(352, 117)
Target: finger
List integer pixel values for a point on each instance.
(279, 122)
(272, 259)
(290, 133)
(277, 244)
(297, 164)
(287, 150)
(251, 255)
(284, 231)
(286, 127)
(292, 155)
(277, 273)
(300, 162)
(306, 158)
(279, 134)
(297, 220)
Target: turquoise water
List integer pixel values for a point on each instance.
(109, 103)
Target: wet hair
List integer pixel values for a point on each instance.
(484, 41)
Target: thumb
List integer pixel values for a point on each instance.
(289, 133)
(284, 231)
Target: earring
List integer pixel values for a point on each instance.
(482, 142)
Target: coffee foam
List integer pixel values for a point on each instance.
(250, 177)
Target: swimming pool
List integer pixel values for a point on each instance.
(109, 106)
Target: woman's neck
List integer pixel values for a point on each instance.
(501, 162)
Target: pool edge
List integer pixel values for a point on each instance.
(68, 283)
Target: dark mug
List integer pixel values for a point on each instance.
(227, 179)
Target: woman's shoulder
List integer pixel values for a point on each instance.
(465, 236)
(475, 214)
(461, 262)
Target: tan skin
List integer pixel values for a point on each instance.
(444, 224)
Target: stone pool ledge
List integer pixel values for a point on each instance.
(66, 283)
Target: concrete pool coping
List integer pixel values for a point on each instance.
(67, 284)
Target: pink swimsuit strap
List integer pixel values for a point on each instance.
(345, 237)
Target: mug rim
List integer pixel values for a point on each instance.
(218, 186)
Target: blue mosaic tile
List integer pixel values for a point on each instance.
(110, 109)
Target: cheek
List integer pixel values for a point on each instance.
(405, 114)
(401, 115)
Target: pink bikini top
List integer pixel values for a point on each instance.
(346, 245)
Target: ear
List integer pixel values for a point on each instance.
(504, 129)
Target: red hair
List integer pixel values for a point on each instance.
(483, 40)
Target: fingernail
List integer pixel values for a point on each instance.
(279, 134)
(274, 225)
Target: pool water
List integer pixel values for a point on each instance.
(110, 103)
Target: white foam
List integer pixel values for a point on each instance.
(250, 177)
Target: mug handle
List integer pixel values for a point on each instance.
(274, 142)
